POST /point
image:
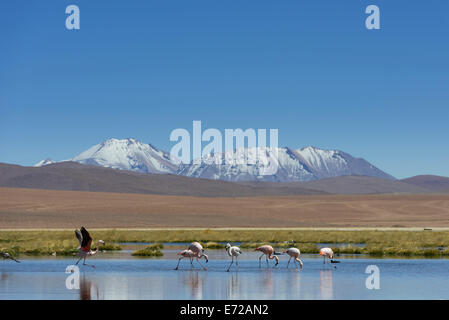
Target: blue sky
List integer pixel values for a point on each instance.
(308, 68)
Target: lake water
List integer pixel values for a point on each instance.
(120, 276)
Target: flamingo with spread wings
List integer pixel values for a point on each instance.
(84, 250)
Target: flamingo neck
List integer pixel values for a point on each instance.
(96, 250)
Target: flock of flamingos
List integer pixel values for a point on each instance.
(195, 251)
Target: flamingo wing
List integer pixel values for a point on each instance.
(87, 240)
(79, 236)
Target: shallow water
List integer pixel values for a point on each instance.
(120, 276)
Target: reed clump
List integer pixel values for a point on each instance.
(213, 245)
(154, 250)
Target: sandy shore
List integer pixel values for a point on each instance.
(40, 209)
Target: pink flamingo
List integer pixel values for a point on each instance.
(195, 250)
(293, 253)
(327, 252)
(233, 251)
(269, 253)
(186, 254)
(84, 250)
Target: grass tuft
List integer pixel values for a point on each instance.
(153, 250)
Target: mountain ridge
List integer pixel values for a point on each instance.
(254, 164)
(81, 177)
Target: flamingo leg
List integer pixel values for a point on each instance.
(85, 264)
(324, 259)
(78, 261)
(230, 264)
(289, 262)
(179, 260)
(261, 258)
(204, 268)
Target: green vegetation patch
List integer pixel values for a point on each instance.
(60, 243)
(370, 242)
(154, 250)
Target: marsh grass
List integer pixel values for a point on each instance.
(61, 243)
(154, 250)
(213, 245)
(376, 242)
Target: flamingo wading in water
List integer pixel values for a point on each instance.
(233, 251)
(186, 254)
(327, 252)
(293, 253)
(197, 252)
(84, 250)
(6, 255)
(269, 253)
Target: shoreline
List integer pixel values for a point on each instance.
(376, 242)
(414, 229)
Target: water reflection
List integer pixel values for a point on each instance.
(88, 289)
(293, 284)
(156, 279)
(267, 283)
(4, 276)
(232, 289)
(194, 282)
(326, 284)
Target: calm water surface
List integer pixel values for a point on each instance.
(120, 276)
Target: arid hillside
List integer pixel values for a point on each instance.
(32, 208)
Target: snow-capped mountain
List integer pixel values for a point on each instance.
(246, 164)
(44, 162)
(334, 163)
(128, 154)
(304, 164)
(253, 164)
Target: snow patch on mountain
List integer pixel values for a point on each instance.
(44, 162)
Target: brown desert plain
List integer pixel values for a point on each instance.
(22, 208)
